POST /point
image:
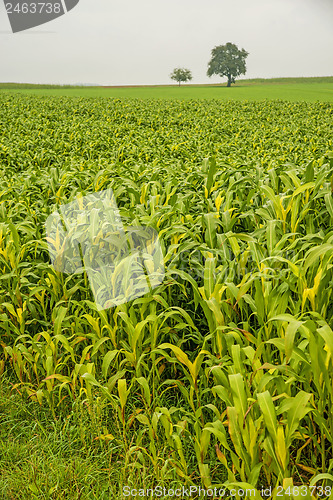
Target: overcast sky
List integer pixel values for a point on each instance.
(131, 42)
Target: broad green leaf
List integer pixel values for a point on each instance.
(268, 410)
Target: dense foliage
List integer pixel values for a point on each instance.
(224, 373)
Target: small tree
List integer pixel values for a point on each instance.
(181, 75)
(227, 60)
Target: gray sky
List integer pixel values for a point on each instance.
(131, 42)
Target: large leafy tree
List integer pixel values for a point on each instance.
(227, 60)
(181, 75)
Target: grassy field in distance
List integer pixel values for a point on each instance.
(288, 89)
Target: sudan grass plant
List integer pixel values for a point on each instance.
(223, 374)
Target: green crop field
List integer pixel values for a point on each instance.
(290, 89)
(222, 375)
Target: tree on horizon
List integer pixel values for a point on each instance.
(181, 75)
(227, 60)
